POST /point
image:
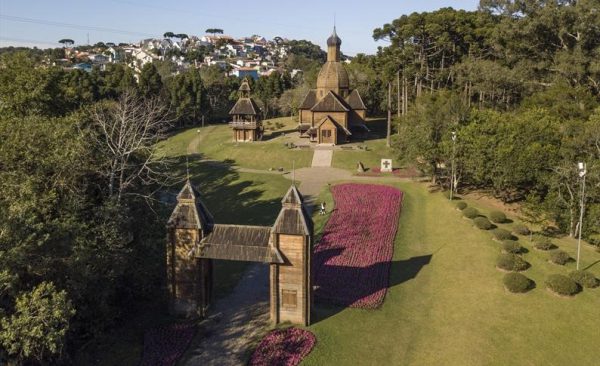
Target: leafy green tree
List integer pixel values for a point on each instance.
(425, 132)
(187, 97)
(38, 327)
(66, 42)
(150, 82)
(116, 79)
(27, 89)
(214, 31)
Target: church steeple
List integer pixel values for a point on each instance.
(333, 47)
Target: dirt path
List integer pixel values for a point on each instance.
(235, 324)
(192, 148)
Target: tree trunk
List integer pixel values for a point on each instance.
(389, 116)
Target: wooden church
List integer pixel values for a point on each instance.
(332, 113)
(245, 117)
(194, 241)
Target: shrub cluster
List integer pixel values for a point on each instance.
(510, 246)
(584, 279)
(559, 257)
(517, 283)
(521, 229)
(544, 245)
(470, 212)
(511, 262)
(498, 217)
(482, 223)
(562, 285)
(502, 234)
(461, 205)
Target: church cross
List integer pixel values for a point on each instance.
(386, 164)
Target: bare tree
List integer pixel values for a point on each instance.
(128, 131)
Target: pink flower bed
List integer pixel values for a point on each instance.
(351, 264)
(283, 347)
(163, 346)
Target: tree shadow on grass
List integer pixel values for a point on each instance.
(274, 134)
(357, 283)
(230, 199)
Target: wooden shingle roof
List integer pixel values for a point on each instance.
(355, 101)
(241, 243)
(293, 218)
(245, 106)
(330, 103)
(190, 212)
(336, 124)
(309, 100)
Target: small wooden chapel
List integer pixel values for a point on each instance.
(195, 240)
(245, 117)
(332, 113)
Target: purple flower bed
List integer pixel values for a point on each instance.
(351, 263)
(283, 347)
(163, 346)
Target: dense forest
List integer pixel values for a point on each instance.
(81, 230)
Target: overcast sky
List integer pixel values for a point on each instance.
(43, 22)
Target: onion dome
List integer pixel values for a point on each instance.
(334, 40)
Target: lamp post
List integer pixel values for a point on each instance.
(452, 178)
(582, 168)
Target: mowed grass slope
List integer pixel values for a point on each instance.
(215, 142)
(446, 304)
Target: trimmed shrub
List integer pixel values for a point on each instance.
(510, 246)
(521, 229)
(584, 279)
(559, 257)
(544, 245)
(470, 212)
(503, 234)
(498, 217)
(517, 283)
(461, 205)
(482, 223)
(511, 262)
(562, 285)
(539, 238)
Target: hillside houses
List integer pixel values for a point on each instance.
(252, 56)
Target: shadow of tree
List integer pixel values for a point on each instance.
(358, 283)
(230, 199)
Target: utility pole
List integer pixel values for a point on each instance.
(582, 172)
(453, 174)
(389, 116)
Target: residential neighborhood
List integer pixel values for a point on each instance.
(252, 56)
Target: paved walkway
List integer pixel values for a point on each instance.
(235, 323)
(238, 321)
(322, 158)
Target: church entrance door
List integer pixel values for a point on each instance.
(326, 137)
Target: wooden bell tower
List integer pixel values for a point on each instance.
(189, 278)
(291, 284)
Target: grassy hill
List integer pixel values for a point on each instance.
(447, 305)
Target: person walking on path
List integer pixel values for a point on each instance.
(322, 211)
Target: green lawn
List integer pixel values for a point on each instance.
(371, 157)
(453, 309)
(216, 144)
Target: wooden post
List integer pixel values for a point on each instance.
(389, 117)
